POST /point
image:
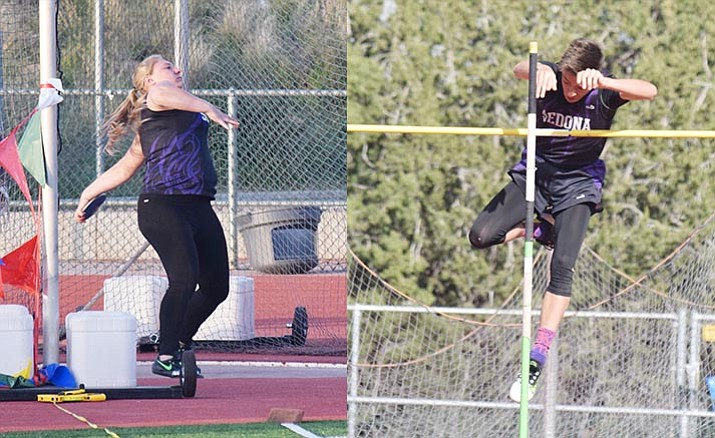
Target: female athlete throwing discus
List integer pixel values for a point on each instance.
(170, 128)
(571, 94)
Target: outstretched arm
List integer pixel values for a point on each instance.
(115, 176)
(629, 89)
(164, 96)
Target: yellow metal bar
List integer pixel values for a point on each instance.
(632, 133)
(521, 132)
(70, 396)
(73, 392)
(58, 398)
(396, 129)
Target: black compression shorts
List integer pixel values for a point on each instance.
(558, 189)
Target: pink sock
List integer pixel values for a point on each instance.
(542, 344)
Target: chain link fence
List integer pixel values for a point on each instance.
(280, 68)
(19, 91)
(633, 357)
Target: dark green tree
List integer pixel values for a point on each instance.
(412, 198)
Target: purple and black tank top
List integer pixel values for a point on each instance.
(177, 158)
(594, 111)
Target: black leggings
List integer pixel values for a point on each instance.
(189, 240)
(506, 211)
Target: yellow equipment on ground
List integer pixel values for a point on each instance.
(71, 396)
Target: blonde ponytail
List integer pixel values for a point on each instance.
(127, 116)
(124, 118)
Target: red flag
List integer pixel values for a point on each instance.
(10, 161)
(21, 267)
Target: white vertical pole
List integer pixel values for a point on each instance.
(98, 82)
(181, 39)
(552, 378)
(354, 378)
(48, 120)
(2, 99)
(693, 366)
(681, 361)
(528, 245)
(232, 182)
(551, 391)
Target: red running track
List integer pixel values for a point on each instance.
(232, 400)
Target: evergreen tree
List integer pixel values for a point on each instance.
(412, 198)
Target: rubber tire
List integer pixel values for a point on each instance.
(187, 377)
(299, 328)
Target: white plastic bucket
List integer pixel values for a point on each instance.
(101, 348)
(16, 341)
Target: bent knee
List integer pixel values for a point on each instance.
(475, 239)
(479, 239)
(561, 278)
(487, 233)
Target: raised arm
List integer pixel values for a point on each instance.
(115, 176)
(545, 77)
(629, 89)
(164, 96)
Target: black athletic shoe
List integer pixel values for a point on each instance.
(166, 368)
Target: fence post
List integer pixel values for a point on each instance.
(694, 363)
(48, 117)
(232, 181)
(681, 368)
(2, 97)
(353, 383)
(98, 83)
(551, 393)
(181, 39)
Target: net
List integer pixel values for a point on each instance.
(19, 79)
(634, 357)
(280, 68)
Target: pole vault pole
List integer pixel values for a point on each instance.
(528, 244)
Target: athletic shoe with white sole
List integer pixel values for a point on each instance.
(534, 373)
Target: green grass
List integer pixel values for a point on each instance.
(253, 430)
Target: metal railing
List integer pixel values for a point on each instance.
(687, 368)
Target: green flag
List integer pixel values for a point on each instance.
(30, 149)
